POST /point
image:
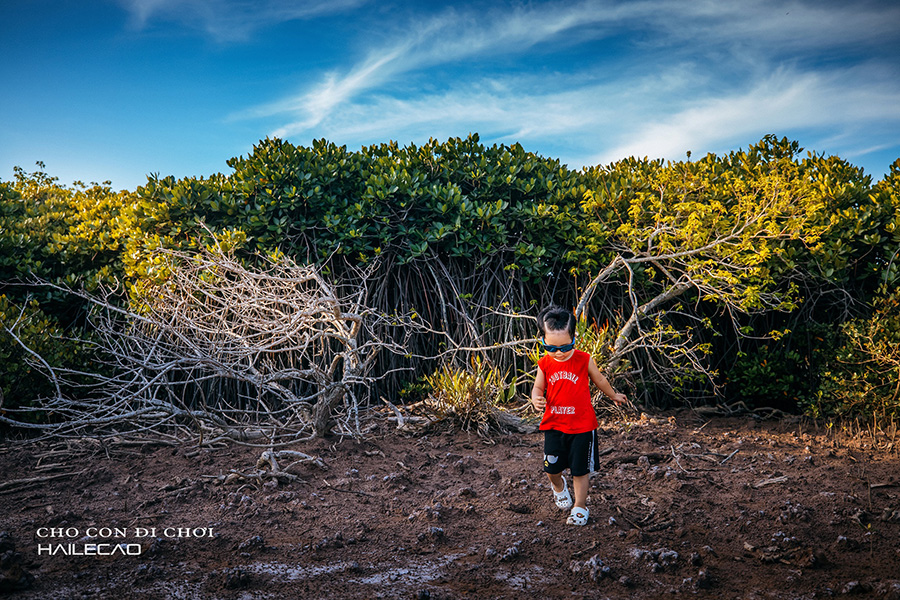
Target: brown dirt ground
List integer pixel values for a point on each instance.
(794, 512)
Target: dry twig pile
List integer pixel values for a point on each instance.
(265, 356)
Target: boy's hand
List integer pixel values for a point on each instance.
(619, 399)
(539, 403)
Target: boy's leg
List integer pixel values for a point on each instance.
(585, 457)
(580, 486)
(555, 461)
(556, 480)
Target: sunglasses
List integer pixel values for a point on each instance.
(565, 348)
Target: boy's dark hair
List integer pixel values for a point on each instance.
(556, 318)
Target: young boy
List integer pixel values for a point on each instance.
(562, 390)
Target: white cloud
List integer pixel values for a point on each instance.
(771, 25)
(586, 124)
(833, 103)
(231, 20)
(564, 113)
(704, 76)
(448, 38)
(454, 37)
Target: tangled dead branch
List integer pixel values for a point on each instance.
(262, 356)
(717, 255)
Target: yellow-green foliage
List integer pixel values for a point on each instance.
(728, 220)
(512, 226)
(23, 377)
(71, 235)
(863, 377)
(470, 399)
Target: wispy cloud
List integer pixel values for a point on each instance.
(775, 25)
(455, 37)
(445, 39)
(700, 76)
(586, 124)
(834, 102)
(230, 20)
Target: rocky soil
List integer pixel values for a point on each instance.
(727, 508)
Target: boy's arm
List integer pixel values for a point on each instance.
(601, 382)
(537, 390)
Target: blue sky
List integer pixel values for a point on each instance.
(117, 89)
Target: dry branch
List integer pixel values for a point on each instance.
(262, 356)
(771, 481)
(719, 261)
(15, 485)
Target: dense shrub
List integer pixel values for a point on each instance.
(454, 230)
(24, 377)
(74, 235)
(471, 398)
(862, 375)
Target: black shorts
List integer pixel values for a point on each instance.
(577, 451)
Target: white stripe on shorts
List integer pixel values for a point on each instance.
(591, 466)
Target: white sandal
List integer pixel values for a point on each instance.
(578, 516)
(563, 499)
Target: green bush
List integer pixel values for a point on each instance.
(455, 228)
(23, 378)
(470, 399)
(863, 376)
(73, 236)
(454, 200)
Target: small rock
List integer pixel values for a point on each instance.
(852, 587)
(593, 568)
(702, 581)
(148, 571)
(354, 567)
(637, 553)
(891, 516)
(667, 557)
(510, 553)
(254, 543)
(465, 464)
(434, 533)
(337, 542)
(889, 590)
(156, 547)
(236, 578)
(844, 543)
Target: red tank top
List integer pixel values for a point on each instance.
(568, 394)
